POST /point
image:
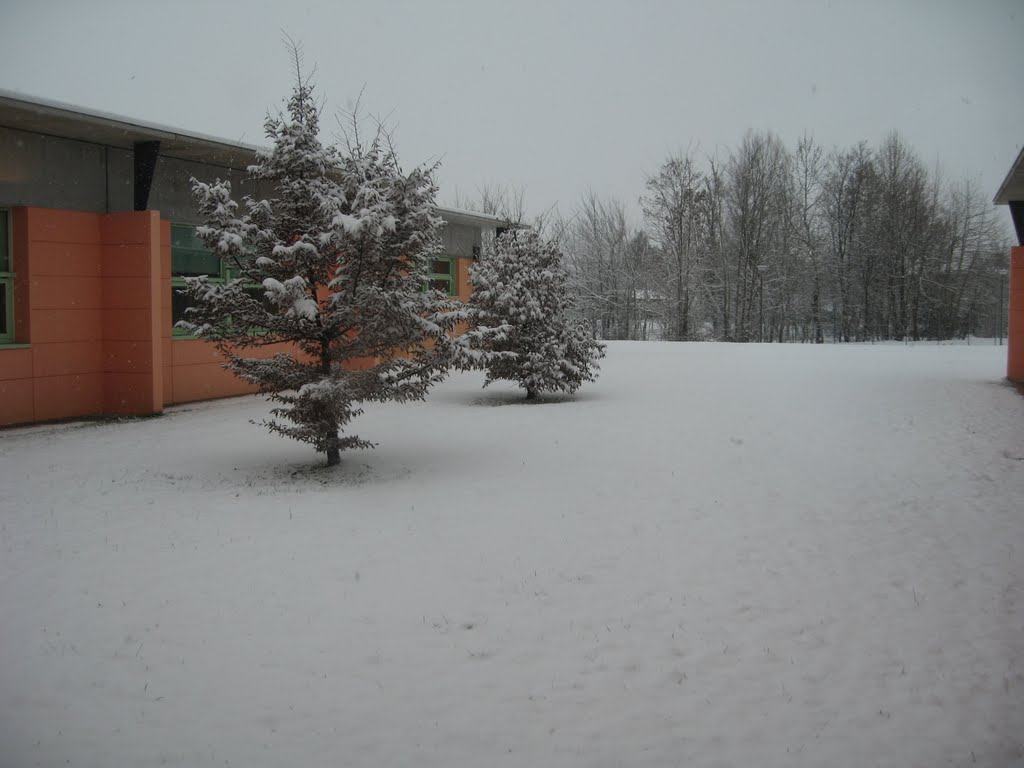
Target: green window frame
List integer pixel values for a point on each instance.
(190, 258)
(6, 279)
(443, 275)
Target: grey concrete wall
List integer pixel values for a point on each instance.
(120, 180)
(172, 187)
(458, 240)
(51, 173)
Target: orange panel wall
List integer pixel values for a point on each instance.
(58, 306)
(1015, 337)
(17, 398)
(132, 339)
(16, 386)
(84, 328)
(463, 285)
(65, 310)
(197, 373)
(93, 321)
(194, 369)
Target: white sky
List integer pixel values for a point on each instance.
(558, 97)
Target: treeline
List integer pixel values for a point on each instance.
(779, 244)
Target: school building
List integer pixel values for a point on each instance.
(1011, 193)
(97, 227)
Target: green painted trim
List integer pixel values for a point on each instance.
(7, 286)
(450, 277)
(5, 242)
(4, 345)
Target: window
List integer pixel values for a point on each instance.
(259, 293)
(6, 280)
(442, 276)
(190, 258)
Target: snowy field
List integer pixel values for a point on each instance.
(718, 555)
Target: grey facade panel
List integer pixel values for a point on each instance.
(49, 172)
(458, 240)
(172, 188)
(120, 187)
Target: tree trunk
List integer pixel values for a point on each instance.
(819, 336)
(331, 431)
(531, 394)
(333, 456)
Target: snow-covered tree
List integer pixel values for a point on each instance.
(334, 265)
(522, 318)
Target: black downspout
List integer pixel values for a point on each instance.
(145, 155)
(1017, 213)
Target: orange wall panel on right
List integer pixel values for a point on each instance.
(206, 382)
(1015, 335)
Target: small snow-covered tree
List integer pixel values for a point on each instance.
(522, 320)
(334, 265)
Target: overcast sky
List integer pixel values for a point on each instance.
(557, 97)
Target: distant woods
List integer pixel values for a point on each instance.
(773, 243)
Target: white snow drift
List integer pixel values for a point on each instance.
(715, 555)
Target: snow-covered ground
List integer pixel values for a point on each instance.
(718, 555)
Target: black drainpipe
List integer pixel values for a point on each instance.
(1017, 213)
(145, 155)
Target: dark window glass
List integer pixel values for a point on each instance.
(179, 303)
(5, 257)
(259, 293)
(189, 257)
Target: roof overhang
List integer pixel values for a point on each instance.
(1011, 193)
(472, 218)
(1012, 189)
(54, 118)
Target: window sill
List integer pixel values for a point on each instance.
(5, 345)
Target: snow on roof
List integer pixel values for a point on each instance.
(56, 118)
(463, 216)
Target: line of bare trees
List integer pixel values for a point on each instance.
(780, 244)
